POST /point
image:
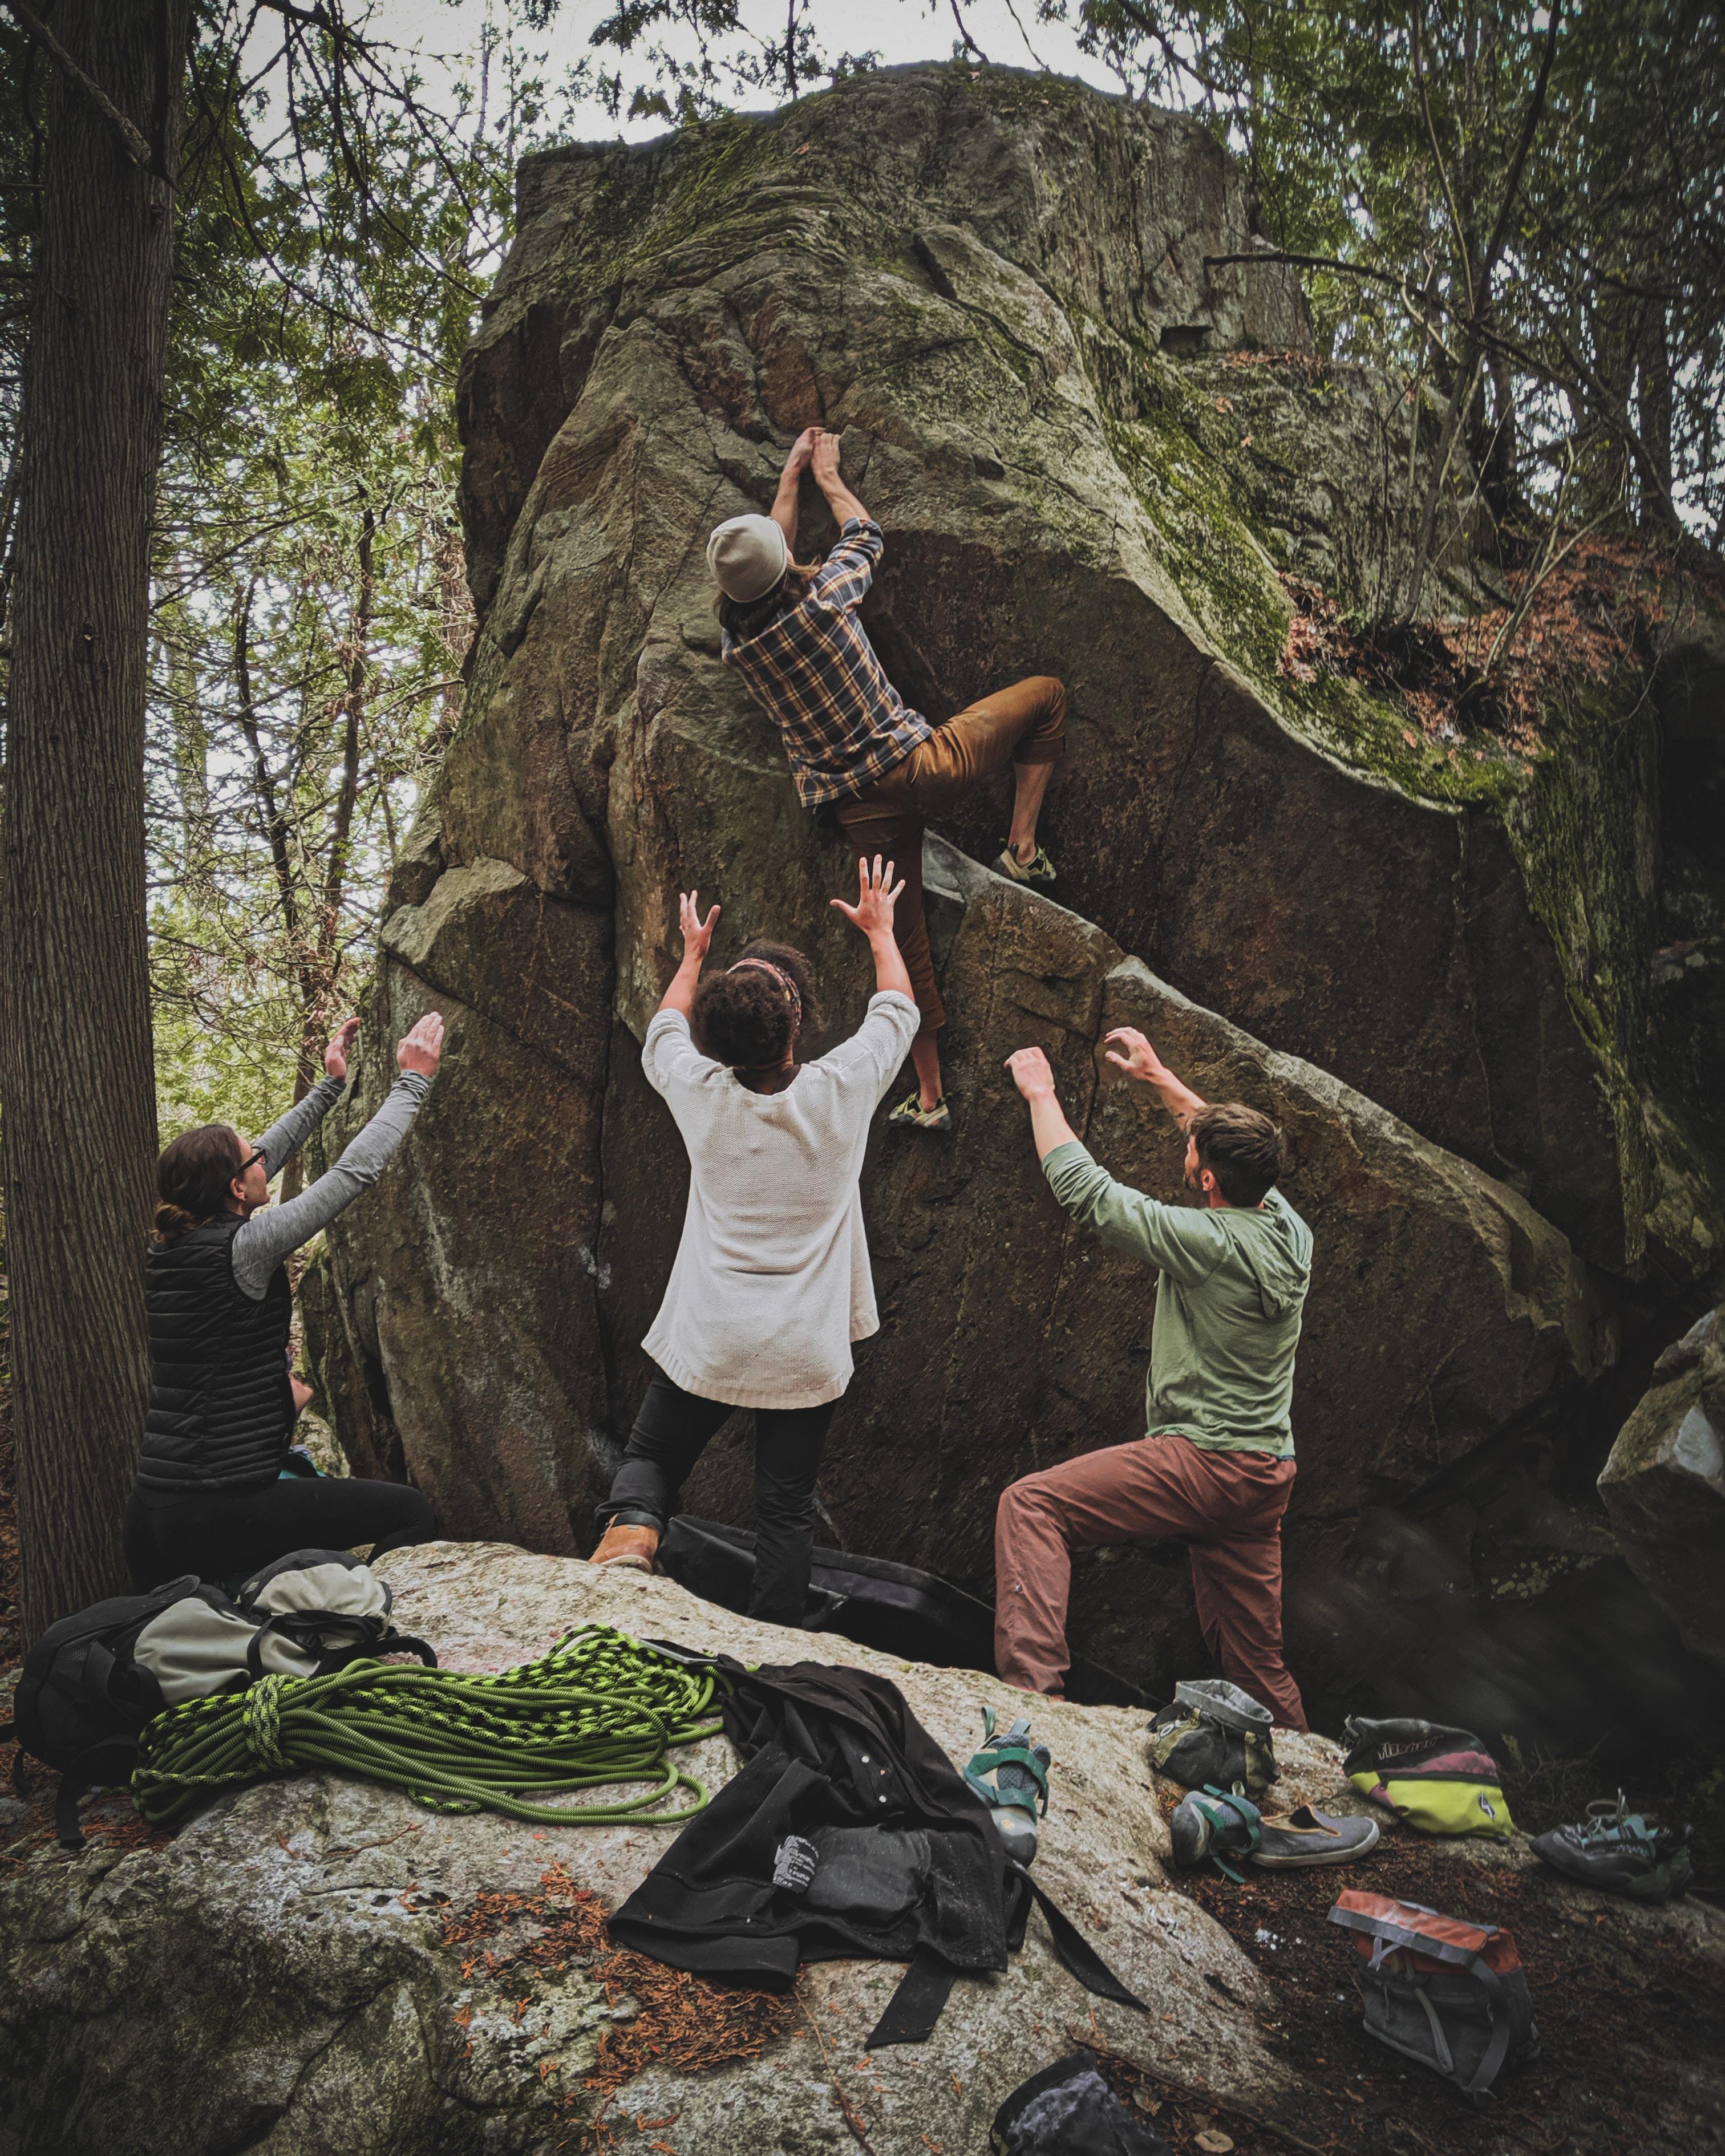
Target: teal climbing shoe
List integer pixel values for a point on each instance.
(1211, 1824)
(1621, 1851)
(1021, 1787)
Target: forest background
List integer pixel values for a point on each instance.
(1516, 207)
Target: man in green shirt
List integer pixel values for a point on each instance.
(1217, 1464)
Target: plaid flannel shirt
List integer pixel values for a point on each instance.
(843, 723)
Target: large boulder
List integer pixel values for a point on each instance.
(1664, 1485)
(996, 289)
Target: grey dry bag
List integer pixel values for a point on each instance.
(92, 1680)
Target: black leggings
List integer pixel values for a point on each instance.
(669, 1436)
(220, 1533)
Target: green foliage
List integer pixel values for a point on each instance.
(311, 617)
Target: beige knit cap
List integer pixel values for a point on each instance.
(747, 557)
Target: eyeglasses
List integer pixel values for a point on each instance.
(250, 1161)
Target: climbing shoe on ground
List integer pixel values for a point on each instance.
(1306, 1836)
(1621, 1851)
(1213, 1824)
(911, 1115)
(1020, 1785)
(1037, 870)
(635, 1548)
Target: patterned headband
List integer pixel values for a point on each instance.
(784, 981)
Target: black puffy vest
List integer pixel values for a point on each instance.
(220, 1404)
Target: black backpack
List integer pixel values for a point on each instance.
(893, 1608)
(85, 1693)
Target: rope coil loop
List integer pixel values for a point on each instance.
(600, 1711)
(260, 1717)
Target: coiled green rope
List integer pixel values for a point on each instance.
(599, 1709)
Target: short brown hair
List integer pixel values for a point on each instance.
(191, 1179)
(1241, 1148)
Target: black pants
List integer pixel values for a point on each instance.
(217, 1533)
(671, 1434)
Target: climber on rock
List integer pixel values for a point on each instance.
(770, 1284)
(856, 750)
(211, 1496)
(1217, 1466)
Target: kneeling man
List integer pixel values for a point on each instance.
(1217, 1466)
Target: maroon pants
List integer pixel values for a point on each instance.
(1225, 1507)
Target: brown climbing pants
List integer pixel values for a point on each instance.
(1024, 724)
(1225, 1507)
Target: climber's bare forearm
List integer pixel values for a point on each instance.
(783, 511)
(1128, 1050)
(1182, 1103)
(845, 505)
(680, 996)
(891, 971)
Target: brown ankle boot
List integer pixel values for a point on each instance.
(634, 1547)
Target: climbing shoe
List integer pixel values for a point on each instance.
(632, 1547)
(1621, 1851)
(911, 1115)
(1306, 1836)
(1020, 1786)
(1211, 1824)
(1037, 870)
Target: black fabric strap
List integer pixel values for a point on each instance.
(916, 2008)
(1076, 1955)
(65, 1813)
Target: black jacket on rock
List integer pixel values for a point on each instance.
(848, 1834)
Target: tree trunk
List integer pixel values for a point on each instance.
(75, 1060)
(1653, 412)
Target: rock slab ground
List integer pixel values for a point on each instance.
(317, 1967)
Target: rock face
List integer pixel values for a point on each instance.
(318, 1967)
(1664, 1485)
(995, 290)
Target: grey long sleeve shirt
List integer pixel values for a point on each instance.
(263, 1241)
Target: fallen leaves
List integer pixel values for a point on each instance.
(1596, 612)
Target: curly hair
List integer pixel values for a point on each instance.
(191, 1179)
(744, 1018)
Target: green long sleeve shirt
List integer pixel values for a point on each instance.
(1227, 1304)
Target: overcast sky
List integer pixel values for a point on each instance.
(898, 30)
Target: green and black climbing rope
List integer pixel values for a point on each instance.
(600, 1709)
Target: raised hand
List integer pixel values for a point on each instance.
(341, 1047)
(697, 934)
(824, 457)
(1140, 1060)
(877, 894)
(1030, 1073)
(422, 1050)
(801, 449)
